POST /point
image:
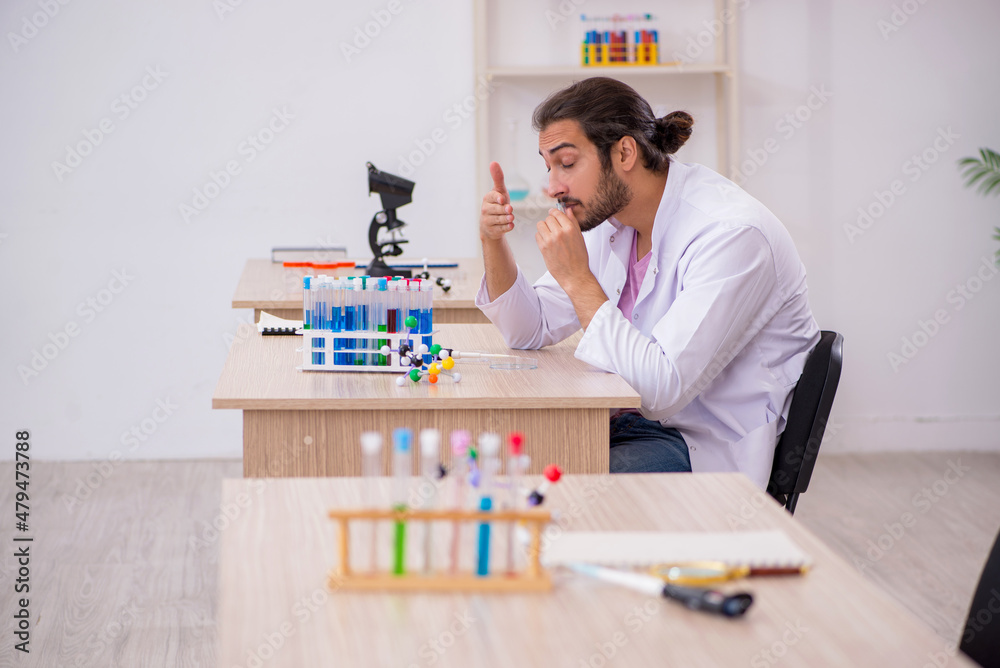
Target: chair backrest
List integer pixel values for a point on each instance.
(795, 454)
(981, 638)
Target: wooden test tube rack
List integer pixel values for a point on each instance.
(533, 578)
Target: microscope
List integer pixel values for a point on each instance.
(395, 192)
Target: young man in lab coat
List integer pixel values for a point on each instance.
(684, 285)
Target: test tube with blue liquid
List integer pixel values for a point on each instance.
(427, 317)
(414, 308)
(306, 302)
(381, 315)
(489, 452)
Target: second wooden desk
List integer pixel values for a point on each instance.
(299, 423)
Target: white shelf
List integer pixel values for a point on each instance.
(724, 70)
(617, 70)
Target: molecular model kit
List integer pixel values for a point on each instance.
(438, 524)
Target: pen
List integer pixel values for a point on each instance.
(706, 600)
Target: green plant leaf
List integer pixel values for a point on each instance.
(984, 172)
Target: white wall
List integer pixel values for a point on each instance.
(163, 337)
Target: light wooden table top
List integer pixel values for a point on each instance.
(269, 285)
(260, 374)
(280, 545)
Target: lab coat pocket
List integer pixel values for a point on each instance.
(754, 453)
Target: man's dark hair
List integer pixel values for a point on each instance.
(608, 110)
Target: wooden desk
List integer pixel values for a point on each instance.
(279, 546)
(309, 423)
(268, 286)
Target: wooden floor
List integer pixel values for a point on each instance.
(125, 557)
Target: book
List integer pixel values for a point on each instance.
(759, 550)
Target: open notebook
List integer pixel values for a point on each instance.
(756, 549)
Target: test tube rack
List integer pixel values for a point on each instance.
(533, 578)
(325, 350)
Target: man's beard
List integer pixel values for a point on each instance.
(612, 195)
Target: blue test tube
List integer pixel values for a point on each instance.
(489, 452)
(306, 302)
(337, 319)
(413, 310)
(353, 311)
(427, 317)
(381, 317)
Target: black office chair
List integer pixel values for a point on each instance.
(795, 455)
(981, 638)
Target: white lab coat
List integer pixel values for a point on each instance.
(721, 326)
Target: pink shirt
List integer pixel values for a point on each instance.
(633, 279)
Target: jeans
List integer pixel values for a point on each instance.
(639, 445)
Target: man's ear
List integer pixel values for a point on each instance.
(627, 153)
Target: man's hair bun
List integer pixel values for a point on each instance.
(673, 130)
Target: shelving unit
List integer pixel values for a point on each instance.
(724, 69)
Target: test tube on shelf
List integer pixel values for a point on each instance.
(381, 317)
(516, 448)
(402, 469)
(427, 317)
(306, 302)
(430, 457)
(460, 440)
(371, 469)
(369, 318)
(333, 317)
(350, 313)
(413, 309)
(489, 451)
(392, 298)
